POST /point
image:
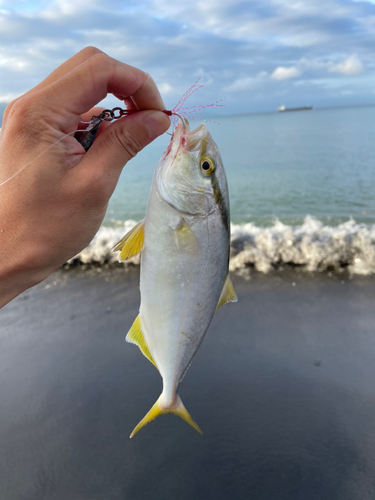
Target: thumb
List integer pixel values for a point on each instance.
(122, 140)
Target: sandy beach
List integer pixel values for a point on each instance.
(282, 387)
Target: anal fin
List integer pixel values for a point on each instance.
(135, 336)
(132, 243)
(228, 293)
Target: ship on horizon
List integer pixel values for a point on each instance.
(283, 109)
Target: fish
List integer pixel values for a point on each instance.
(184, 241)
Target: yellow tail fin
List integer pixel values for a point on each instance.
(177, 408)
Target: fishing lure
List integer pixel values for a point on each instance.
(86, 137)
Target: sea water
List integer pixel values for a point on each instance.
(301, 186)
(281, 165)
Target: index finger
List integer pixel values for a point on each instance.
(87, 84)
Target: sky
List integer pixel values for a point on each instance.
(256, 54)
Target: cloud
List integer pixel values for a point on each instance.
(15, 63)
(247, 83)
(282, 73)
(235, 45)
(7, 98)
(165, 88)
(241, 84)
(351, 66)
(305, 64)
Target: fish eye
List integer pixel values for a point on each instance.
(207, 165)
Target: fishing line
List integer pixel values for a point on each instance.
(41, 154)
(85, 138)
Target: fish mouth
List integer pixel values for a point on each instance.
(191, 141)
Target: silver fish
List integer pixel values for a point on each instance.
(184, 239)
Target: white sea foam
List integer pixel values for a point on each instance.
(99, 251)
(312, 245)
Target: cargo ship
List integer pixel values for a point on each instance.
(283, 109)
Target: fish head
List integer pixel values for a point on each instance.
(191, 176)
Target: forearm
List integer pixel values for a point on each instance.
(18, 269)
(9, 285)
(13, 280)
(23, 258)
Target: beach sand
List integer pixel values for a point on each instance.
(282, 387)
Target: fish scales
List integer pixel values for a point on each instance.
(179, 290)
(184, 240)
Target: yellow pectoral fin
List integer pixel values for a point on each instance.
(132, 243)
(228, 294)
(185, 239)
(135, 336)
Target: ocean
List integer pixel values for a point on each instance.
(301, 188)
(281, 165)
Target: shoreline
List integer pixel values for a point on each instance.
(311, 246)
(282, 387)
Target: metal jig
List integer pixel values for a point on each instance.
(86, 137)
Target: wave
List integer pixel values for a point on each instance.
(311, 246)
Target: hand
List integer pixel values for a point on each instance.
(54, 207)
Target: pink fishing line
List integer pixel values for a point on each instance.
(179, 112)
(187, 112)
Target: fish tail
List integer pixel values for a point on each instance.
(177, 407)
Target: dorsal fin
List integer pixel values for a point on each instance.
(228, 294)
(132, 243)
(135, 336)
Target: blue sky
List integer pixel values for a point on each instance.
(257, 54)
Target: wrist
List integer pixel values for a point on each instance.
(18, 268)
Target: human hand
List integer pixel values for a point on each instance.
(54, 207)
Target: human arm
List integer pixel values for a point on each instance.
(54, 207)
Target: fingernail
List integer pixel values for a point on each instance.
(156, 124)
